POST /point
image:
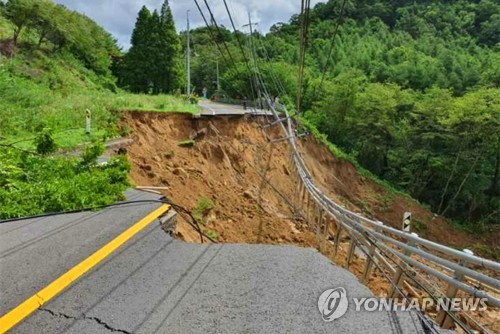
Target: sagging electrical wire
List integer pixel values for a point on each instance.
(332, 45)
(304, 30)
(240, 45)
(178, 208)
(229, 64)
(219, 31)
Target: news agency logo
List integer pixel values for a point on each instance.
(333, 303)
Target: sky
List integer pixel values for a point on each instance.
(118, 16)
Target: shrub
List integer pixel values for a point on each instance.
(45, 143)
(187, 143)
(32, 184)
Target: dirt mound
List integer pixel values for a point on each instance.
(224, 165)
(7, 47)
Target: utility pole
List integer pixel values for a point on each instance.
(188, 90)
(260, 96)
(218, 76)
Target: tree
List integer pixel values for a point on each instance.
(20, 13)
(170, 50)
(136, 61)
(153, 62)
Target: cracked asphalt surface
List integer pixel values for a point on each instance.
(155, 284)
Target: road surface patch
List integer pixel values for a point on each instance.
(24, 309)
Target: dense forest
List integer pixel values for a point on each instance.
(411, 93)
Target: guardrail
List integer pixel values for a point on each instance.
(412, 256)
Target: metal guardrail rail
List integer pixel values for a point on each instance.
(409, 249)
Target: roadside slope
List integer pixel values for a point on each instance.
(226, 164)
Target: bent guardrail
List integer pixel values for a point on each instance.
(415, 255)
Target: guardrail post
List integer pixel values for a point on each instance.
(297, 192)
(318, 227)
(350, 253)
(398, 276)
(325, 231)
(88, 120)
(444, 319)
(302, 192)
(308, 209)
(337, 239)
(369, 262)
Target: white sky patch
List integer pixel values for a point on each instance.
(118, 16)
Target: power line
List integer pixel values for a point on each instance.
(178, 208)
(221, 52)
(332, 45)
(220, 33)
(240, 45)
(305, 16)
(214, 39)
(274, 77)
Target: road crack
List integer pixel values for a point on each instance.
(84, 317)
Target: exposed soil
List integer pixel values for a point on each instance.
(232, 164)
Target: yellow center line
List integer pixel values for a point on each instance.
(27, 307)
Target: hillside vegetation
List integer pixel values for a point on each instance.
(411, 92)
(55, 65)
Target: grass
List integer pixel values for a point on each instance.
(38, 91)
(203, 207)
(419, 226)
(187, 143)
(470, 228)
(200, 213)
(32, 184)
(65, 140)
(42, 91)
(485, 250)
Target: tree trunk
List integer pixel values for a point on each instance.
(449, 180)
(418, 175)
(42, 37)
(495, 182)
(461, 186)
(17, 31)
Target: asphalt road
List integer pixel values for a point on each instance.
(155, 284)
(210, 108)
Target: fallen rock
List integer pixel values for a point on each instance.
(180, 172)
(147, 168)
(248, 194)
(195, 171)
(285, 170)
(194, 135)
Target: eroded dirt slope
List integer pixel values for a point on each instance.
(226, 165)
(232, 164)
